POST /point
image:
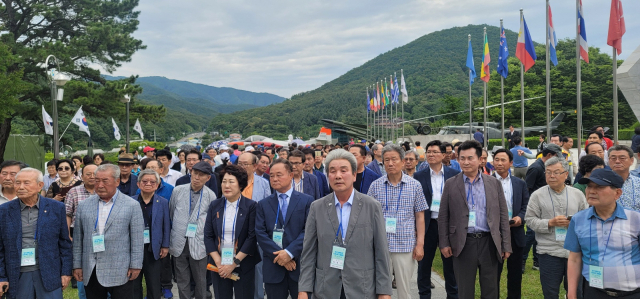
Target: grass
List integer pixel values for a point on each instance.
(531, 287)
(71, 293)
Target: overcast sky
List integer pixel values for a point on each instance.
(288, 47)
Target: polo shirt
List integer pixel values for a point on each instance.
(520, 161)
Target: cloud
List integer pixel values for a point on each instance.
(287, 47)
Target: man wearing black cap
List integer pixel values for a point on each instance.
(605, 255)
(188, 210)
(192, 158)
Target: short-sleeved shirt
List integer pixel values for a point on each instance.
(402, 202)
(611, 243)
(520, 161)
(630, 198)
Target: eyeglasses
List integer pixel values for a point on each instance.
(554, 173)
(619, 158)
(433, 153)
(148, 182)
(64, 168)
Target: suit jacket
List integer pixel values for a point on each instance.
(510, 137)
(123, 240)
(261, 188)
(366, 266)
(54, 247)
(323, 184)
(520, 202)
(213, 183)
(310, 185)
(180, 219)
(245, 231)
(160, 224)
(368, 177)
(266, 214)
(375, 167)
(453, 218)
(424, 177)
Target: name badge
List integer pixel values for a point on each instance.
(472, 219)
(98, 243)
(596, 277)
(561, 233)
(147, 237)
(510, 214)
(337, 257)
(28, 257)
(227, 254)
(390, 225)
(435, 203)
(191, 230)
(277, 236)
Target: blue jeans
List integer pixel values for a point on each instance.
(30, 287)
(81, 293)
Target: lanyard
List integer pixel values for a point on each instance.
(340, 227)
(224, 219)
(606, 244)
(278, 216)
(199, 204)
(386, 189)
(473, 203)
(553, 208)
(95, 226)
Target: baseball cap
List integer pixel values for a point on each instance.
(249, 149)
(206, 156)
(553, 148)
(224, 147)
(224, 156)
(148, 149)
(203, 167)
(604, 177)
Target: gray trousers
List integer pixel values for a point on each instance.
(520, 172)
(478, 254)
(186, 268)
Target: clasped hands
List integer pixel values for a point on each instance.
(283, 259)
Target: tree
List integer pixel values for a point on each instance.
(82, 35)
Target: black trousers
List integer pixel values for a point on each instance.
(151, 269)
(478, 254)
(424, 266)
(282, 290)
(167, 272)
(95, 290)
(593, 293)
(243, 288)
(514, 271)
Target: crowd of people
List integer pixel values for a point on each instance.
(353, 220)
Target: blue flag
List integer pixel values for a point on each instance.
(368, 102)
(503, 55)
(396, 90)
(470, 65)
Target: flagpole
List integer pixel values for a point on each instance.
(402, 75)
(397, 122)
(501, 93)
(578, 78)
(615, 97)
(548, 76)
(386, 122)
(485, 133)
(368, 108)
(393, 121)
(65, 130)
(470, 104)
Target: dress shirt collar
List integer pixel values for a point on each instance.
(234, 204)
(113, 199)
(405, 179)
(499, 177)
(23, 205)
(479, 177)
(288, 193)
(350, 201)
(618, 213)
(433, 173)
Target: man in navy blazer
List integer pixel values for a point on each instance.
(36, 256)
(192, 158)
(364, 176)
(280, 223)
(309, 159)
(432, 180)
(376, 165)
(303, 182)
(517, 195)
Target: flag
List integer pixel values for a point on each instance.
(48, 122)
(382, 95)
(584, 47)
(485, 74)
(396, 90)
(372, 103)
(116, 131)
(403, 89)
(81, 121)
(470, 65)
(138, 128)
(553, 41)
(503, 55)
(387, 87)
(377, 96)
(616, 26)
(525, 50)
(368, 102)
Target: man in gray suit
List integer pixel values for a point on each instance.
(345, 253)
(108, 238)
(473, 225)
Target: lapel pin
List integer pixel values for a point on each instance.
(45, 211)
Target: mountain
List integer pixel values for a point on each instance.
(437, 79)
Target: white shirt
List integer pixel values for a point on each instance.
(171, 177)
(104, 209)
(4, 199)
(437, 183)
(508, 190)
(298, 186)
(230, 212)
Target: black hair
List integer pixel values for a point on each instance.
(557, 135)
(445, 145)
(194, 152)
(73, 168)
(586, 149)
(286, 163)
(76, 158)
(437, 143)
(588, 163)
(471, 144)
(86, 160)
(238, 172)
(145, 162)
(20, 164)
(504, 150)
(459, 143)
(98, 155)
(298, 154)
(637, 131)
(234, 146)
(417, 143)
(597, 133)
(517, 140)
(564, 139)
(363, 150)
(270, 149)
(52, 163)
(164, 153)
(282, 149)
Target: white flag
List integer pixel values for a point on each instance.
(116, 131)
(138, 128)
(81, 121)
(48, 122)
(403, 90)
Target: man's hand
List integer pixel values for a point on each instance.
(133, 273)
(225, 270)
(505, 255)
(65, 281)
(303, 295)
(518, 221)
(446, 252)
(290, 266)
(5, 284)
(520, 152)
(560, 220)
(77, 273)
(282, 257)
(58, 197)
(164, 252)
(384, 296)
(418, 252)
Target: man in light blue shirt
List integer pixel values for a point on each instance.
(520, 163)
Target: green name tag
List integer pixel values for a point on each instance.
(561, 233)
(191, 230)
(390, 225)
(277, 237)
(472, 219)
(28, 257)
(227, 256)
(147, 238)
(510, 214)
(596, 277)
(337, 257)
(435, 203)
(98, 243)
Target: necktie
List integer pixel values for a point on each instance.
(283, 206)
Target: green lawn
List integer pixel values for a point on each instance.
(530, 280)
(71, 293)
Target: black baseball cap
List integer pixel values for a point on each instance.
(604, 177)
(203, 167)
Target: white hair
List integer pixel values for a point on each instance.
(40, 177)
(109, 167)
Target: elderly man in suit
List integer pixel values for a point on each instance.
(345, 253)
(516, 194)
(188, 210)
(303, 182)
(280, 221)
(35, 250)
(432, 180)
(108, 239)
(473, 225)
(192, 158)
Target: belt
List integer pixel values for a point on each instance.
(619, 293)
(478, 235)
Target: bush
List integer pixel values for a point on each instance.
(625, 134)
(135, 145)
(530, 142)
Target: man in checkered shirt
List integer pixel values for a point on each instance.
(403, 203)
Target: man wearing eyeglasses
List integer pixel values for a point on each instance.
(620, 161)
(303, 182)
(548, 214)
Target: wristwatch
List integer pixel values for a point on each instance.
(236, 261)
